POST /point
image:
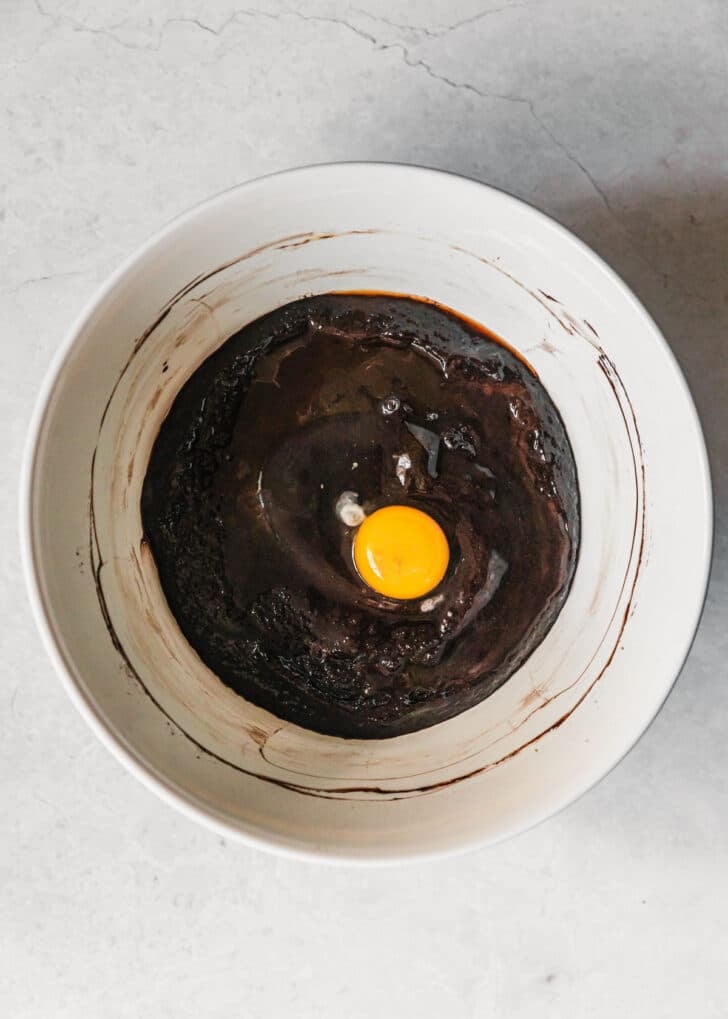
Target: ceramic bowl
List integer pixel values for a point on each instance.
(587, 692)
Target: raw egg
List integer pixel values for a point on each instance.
(401, 552)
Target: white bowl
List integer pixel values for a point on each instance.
(588, 691)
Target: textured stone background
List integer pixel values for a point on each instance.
(113, 118)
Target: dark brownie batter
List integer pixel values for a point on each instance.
(340, 393)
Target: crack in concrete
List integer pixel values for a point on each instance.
(344, 24)
(462, 85)
(571, 157)
(407, 57)
(110, 31)
(437, 33)
(39, 279)
(411, 61)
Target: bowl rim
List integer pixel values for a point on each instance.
(169, 791)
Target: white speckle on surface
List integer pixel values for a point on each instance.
(402, 465)
(116, 118)
(390, 405)
(348, 509)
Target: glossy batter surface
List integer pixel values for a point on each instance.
(397, 402)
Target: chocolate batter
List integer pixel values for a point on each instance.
(401, 402)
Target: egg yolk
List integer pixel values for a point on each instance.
(401, 552)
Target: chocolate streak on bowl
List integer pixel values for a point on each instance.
(608, 368)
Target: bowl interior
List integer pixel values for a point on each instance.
(587, 691)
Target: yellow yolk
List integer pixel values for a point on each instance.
(401, 552)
